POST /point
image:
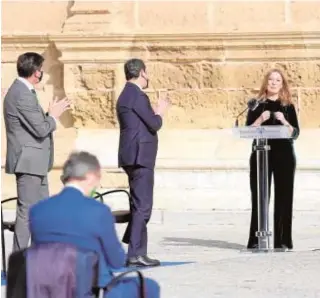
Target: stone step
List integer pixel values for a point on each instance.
(197, 149)
(196, 189)
(196, 169)
(218, 190)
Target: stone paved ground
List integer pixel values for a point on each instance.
(219, 266)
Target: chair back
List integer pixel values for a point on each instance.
(52, 270)
(58, 270)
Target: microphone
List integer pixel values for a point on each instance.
(251, 105)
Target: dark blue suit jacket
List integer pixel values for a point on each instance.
(138, 144)
(70, 217)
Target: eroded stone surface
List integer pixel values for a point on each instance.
(234, 75)
(174, 76)
(205, 108)
(94, 109)
(203, 95)
(301, 74)
(310, 107)
(90, 77)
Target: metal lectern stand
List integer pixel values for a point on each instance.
(261, 134)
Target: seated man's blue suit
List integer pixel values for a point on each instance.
(70, 217)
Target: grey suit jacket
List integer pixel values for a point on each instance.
(29, 132)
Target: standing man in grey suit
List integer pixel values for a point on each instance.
(29, 140)
(138, 147)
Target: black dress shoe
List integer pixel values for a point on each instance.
(253, 246)
(142, 261)
(282, 247)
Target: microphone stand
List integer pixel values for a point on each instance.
(252, 105)
(236, 124)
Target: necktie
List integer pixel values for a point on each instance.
(35, 93)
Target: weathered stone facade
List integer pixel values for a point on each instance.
(209, 55)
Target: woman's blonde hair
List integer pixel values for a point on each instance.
(284, 93)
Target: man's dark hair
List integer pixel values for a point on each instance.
(28, 63)
(133, 67)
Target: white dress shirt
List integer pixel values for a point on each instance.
(74, 186)
(27, 83)
(31, 87)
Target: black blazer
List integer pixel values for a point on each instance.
(138, 144)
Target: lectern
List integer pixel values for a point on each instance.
(262, 134)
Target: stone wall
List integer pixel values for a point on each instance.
(209, 55)
(200, 51)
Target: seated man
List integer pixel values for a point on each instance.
(72, 217)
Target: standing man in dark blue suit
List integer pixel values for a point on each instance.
(138, 147)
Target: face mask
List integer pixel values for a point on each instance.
(93, 192)
(147, 80)
(41, 76)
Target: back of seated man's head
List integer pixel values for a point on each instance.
(83, 171)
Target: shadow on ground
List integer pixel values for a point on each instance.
(202, 242)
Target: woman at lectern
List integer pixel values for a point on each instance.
(275, 108)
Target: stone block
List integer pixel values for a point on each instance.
(174, 76)
(50, 14)
(94, 109)
(301, 74)
(185, 51)
(205, 108)
(153, 96)
(64, 144)
(310, 108)
(305, 13)
(8, 75)
(250, 75)
(8, 185)
(103, 143)
(247, 15)
(173, 16)
(271, 50)
(234, 75)
(112, 178)
(89, 77)
(307, 147)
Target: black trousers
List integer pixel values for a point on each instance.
(141, 182)
(282, 165)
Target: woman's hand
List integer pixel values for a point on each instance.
(265, 116)
(262, 118)
(279, 116)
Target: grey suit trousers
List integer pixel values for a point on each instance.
(30, 190)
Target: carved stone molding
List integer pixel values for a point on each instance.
(115, 48)
(203, 72)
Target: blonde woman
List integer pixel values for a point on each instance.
(276, 108)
